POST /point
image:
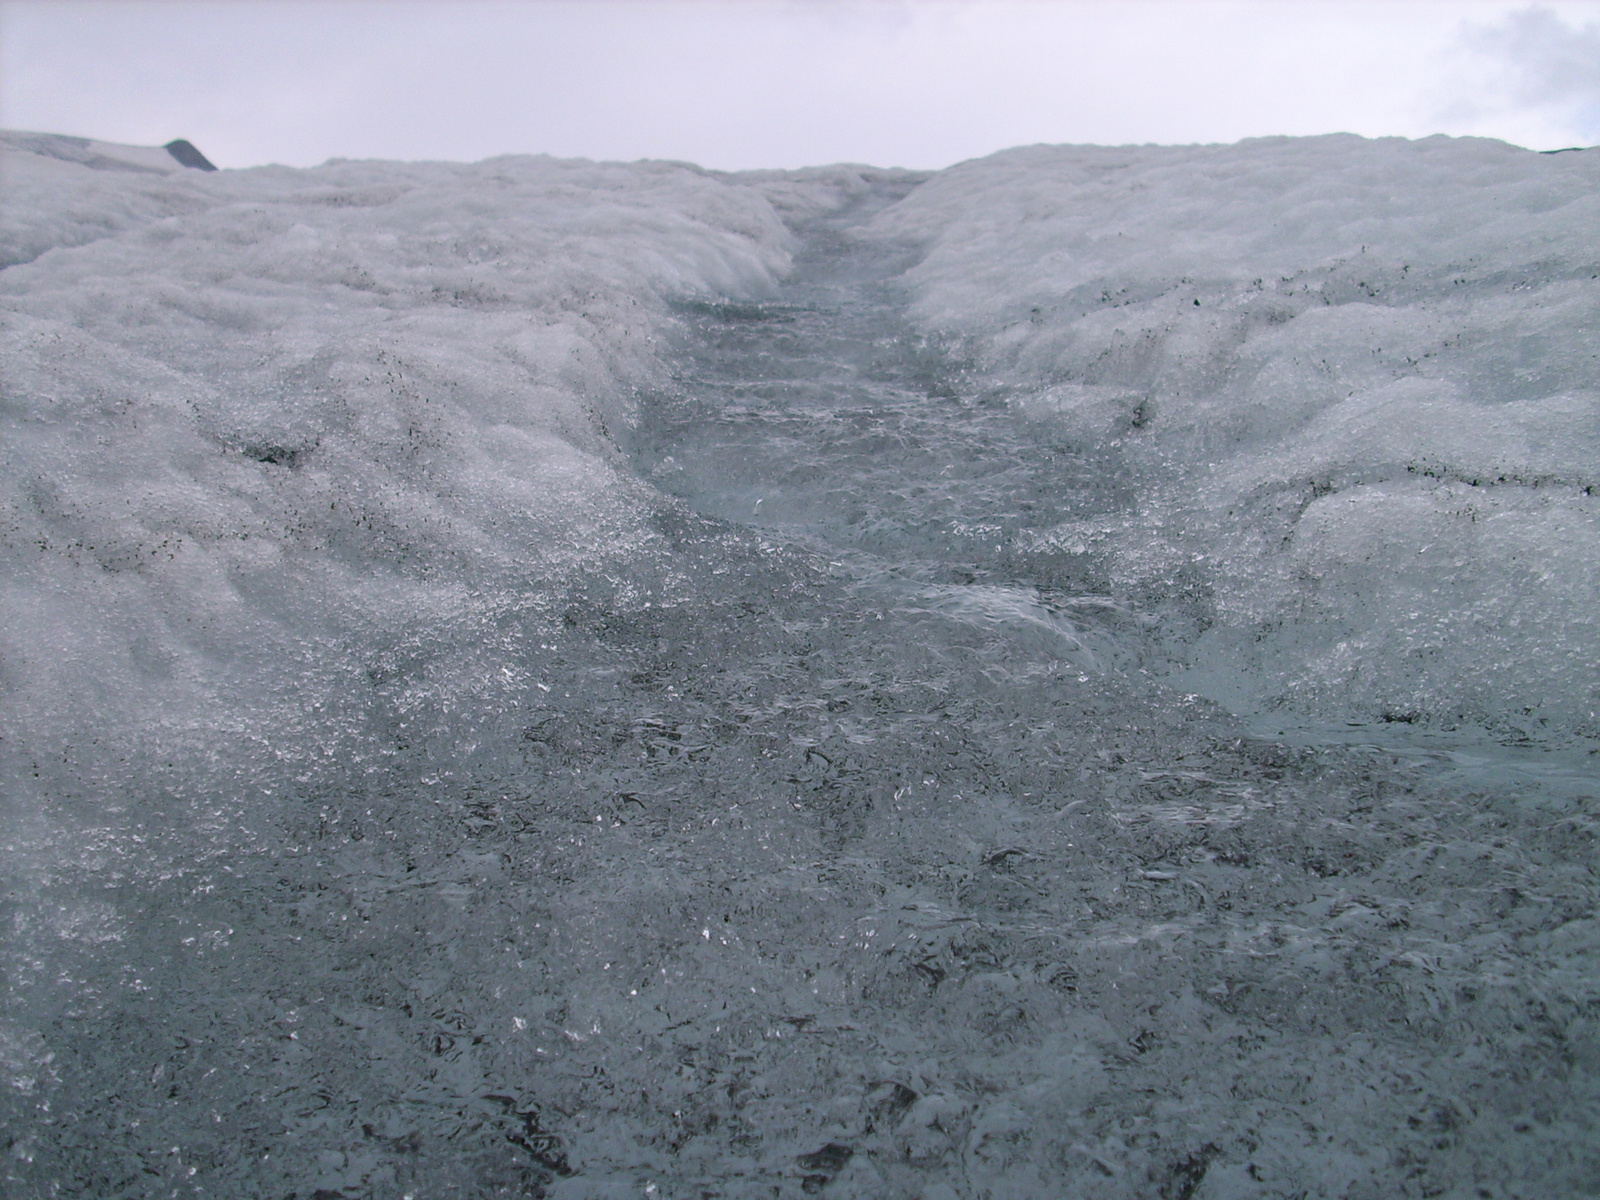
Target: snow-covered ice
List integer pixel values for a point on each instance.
(552, 678)
(292, 422)
(1358, 384)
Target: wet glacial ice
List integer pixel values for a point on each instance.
(1073, 675)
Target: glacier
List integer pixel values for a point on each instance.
(1074, 674)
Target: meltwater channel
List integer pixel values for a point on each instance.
(856, 849)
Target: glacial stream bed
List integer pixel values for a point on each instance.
(855, 844)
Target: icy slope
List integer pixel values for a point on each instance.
(51, 201)
(1356, 384)
(536, 679)
(263, 428)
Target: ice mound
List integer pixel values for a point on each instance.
(1356, 385)
(268, 432)
(62, 191)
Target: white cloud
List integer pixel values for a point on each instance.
(1543, 63)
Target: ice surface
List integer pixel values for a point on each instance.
(52, 200)
(323, 416)
(1358, 384)
(563, 679)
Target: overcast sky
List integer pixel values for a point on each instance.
(787, 82)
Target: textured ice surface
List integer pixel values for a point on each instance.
(323, 422)
(1357, 385)
(545, 678)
